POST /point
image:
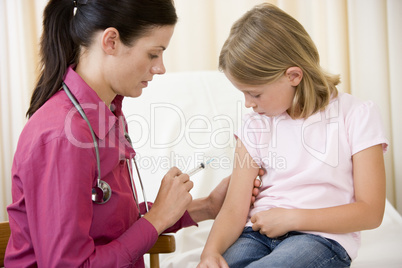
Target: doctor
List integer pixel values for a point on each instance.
(101, 50)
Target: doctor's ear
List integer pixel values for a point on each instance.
(110, 40)
(295, 75)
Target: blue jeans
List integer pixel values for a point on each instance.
(295, 249)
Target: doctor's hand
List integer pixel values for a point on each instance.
(217, 196)
(257, 185)
(172, 200)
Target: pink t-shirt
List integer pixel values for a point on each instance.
(53, 221)
(309, 162)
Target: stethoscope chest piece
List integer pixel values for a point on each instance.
(101, 193)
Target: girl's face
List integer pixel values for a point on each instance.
(135, 65)
(269, 99)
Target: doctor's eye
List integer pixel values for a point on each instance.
(153, 56)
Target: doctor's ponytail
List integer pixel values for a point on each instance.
(57, 51)
(69, 25)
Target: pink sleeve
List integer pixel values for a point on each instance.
(255, 135)
(184, 221)
(59, 213)
(365, 128)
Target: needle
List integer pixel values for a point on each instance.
(198, 168)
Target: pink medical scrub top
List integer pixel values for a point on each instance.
(53, 221)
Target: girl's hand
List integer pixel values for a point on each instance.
(274, 222)
(213, 261)
(172, 200)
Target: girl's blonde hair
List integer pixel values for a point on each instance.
(264, 43)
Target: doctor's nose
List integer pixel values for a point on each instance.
(158, 69)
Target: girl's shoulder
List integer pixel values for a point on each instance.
(348, 106)
(346, 100)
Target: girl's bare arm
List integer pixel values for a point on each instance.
(232, 217)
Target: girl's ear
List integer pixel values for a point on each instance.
(295, 75)
(110, 40)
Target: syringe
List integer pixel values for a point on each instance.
(201, 166)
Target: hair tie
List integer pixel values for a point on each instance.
(75, 5)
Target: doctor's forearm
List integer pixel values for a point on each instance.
(200, 210)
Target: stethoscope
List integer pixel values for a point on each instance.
(102, 192)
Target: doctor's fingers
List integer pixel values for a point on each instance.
(185, 179)
(174, 172)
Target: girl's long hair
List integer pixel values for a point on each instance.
(264, 43)
(65, 33)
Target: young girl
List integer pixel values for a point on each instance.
(323, 152)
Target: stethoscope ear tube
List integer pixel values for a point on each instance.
(102, 192)
(133, 186)
(132, 179)
(142, 186)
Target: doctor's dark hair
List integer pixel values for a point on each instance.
(65, 33)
